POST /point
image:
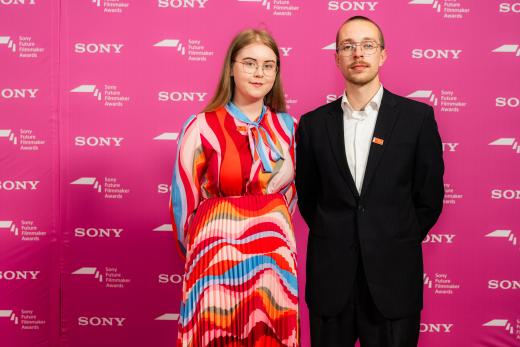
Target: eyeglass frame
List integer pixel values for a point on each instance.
(359, 44)
(276, 65)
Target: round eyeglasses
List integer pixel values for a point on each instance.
(367, 47)
(269, 69)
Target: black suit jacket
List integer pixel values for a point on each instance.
(401, 199)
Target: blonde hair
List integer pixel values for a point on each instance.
(275, 99)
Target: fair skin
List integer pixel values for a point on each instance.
(361, 71)
(251, 88)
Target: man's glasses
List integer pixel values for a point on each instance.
(367, 47)
(250, 67)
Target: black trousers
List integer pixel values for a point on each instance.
(361, 320)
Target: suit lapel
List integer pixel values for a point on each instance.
(337, 143)
(386, 118)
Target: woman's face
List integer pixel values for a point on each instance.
(254, 71)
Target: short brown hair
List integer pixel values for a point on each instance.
(275, 99)
(381, 37)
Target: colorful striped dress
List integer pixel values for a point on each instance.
(233, 195)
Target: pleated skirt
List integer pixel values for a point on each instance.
(240, 285)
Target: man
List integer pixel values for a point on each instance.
(370, 187)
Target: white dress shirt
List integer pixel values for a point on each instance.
(358, 130)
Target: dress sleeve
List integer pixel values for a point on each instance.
(290, 191)
(186, 190)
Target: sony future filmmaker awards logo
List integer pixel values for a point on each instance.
(440, 284)
(507, 142)
(22, 139)
(168, 317)
(22, 46)
(109, 95)
(509, 49)
(508, 326)
(285, 8)
(443, 100)
(193, 49)
(111, 277)
(505, 235)
(164, 227)
(167, 137)
(451, 196)
(25, 230)
(111, 6)
(25, 319)
(449, 9)
(108, 186)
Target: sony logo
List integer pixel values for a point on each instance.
(9, 93)
(93, 141)
(509, 7)
(418, 53)
(10, 275)
(352, 5)
(18, 185)
(181, 96)
(503, 284)
(97, 232)
(439, 238)
(166, 278)
(181, 3)
(101, 321)
(95, 48)
(511, 102)
(508, 194)
(435, 328)
(164, 188)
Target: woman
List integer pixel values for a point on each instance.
(233, 195)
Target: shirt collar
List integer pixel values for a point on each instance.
(373, 104)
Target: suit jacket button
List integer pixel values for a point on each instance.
(361, 208)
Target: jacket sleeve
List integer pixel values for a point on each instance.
(189, 167)
(307, 179)
(428, 185)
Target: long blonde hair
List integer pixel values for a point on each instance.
(275, 99)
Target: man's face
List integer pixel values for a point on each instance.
(358, 66)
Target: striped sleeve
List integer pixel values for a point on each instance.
(185, 194)
(289, 191)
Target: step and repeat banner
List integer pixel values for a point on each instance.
(93, 94)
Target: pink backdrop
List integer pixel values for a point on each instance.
(93, 94)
